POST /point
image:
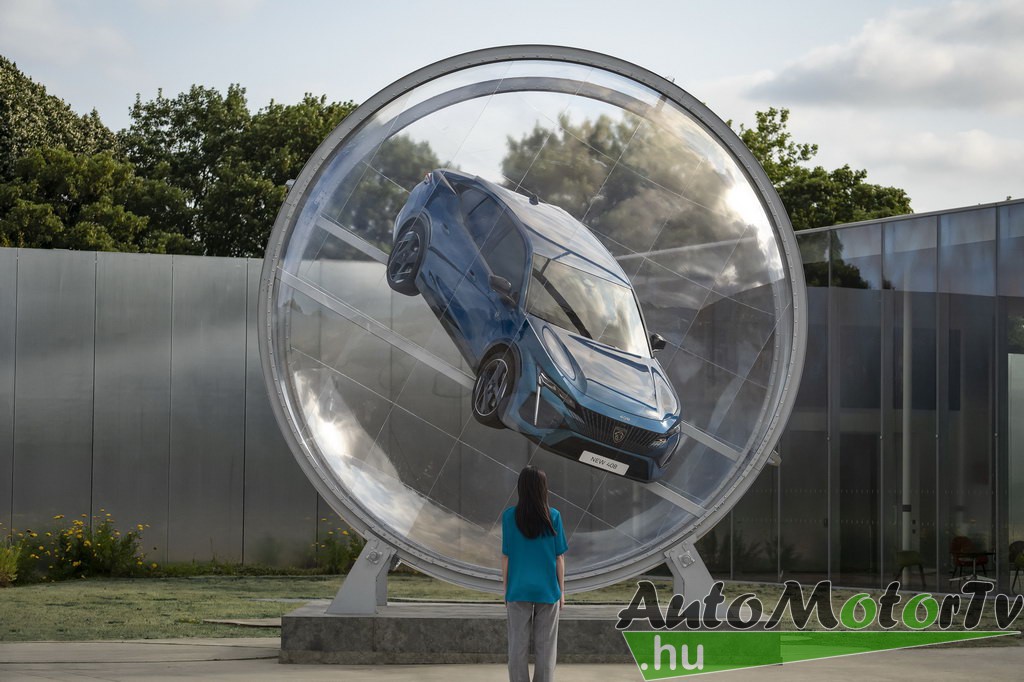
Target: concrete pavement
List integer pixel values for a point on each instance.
(255, 658)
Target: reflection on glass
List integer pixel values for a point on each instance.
(482, 252)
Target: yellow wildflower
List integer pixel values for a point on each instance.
(58, 516)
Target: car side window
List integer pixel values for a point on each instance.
(481, 214)
(505, 253)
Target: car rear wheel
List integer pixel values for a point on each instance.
(495, 382)
(405, 259)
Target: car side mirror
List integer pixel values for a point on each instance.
(502, 287)
(657, 343)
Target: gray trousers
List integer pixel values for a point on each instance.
(542, 620)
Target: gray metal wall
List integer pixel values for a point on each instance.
(130, 385)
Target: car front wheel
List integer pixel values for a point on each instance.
(494, 384)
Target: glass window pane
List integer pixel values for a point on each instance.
(910, 254)
(967, 252)
(856, 353)
(1011, 250)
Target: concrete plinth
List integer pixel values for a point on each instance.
(411, 633)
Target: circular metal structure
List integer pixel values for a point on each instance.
(376, 397)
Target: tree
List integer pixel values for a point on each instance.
(815, 197)
(30, 118)
(231, 165)
(369, 201)
(60, 199)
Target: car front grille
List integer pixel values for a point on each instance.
(603, 428)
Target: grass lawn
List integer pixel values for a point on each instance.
(151, 608)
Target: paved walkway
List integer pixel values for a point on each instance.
(256, 659)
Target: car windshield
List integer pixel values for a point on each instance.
(586, 305)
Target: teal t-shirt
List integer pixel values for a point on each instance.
(532, 575)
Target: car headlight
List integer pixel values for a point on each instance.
(558, 354)
(666, 396)
(661, 440)
(546, 381)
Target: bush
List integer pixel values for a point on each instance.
(97, 550)
(338, 550)
(76, 551)
(10, 554)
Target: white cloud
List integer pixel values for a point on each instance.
(963, 55)
(42, 30)
(971, 151)
(222, 9)
(947, 170)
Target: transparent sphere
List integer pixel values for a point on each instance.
(375, 394)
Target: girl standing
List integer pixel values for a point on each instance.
(533, 567)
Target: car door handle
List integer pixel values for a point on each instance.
(472, 275)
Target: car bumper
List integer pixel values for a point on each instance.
(552, 426)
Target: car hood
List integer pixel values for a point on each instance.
(625, 382)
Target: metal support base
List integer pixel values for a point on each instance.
(365, 588)
(690, 577)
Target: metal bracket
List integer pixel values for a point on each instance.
(690, 577)
(366, 586)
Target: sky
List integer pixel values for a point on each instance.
(926, 95)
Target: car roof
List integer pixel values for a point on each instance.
(553, 233)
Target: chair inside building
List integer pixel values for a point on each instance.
(962, 552)
(909, 559)
(1016, 555)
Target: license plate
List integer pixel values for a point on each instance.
(604, 463)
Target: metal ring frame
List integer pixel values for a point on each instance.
(270, 338)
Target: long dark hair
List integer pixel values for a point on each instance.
(532, 514)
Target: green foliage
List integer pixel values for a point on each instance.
(231, 166)
(1015, 335)
(30, 118)
(97, 549)
(200, 173)
(338, 550)
(195, 569)
(77, 550)
(815, 197)
(400, 163)
(10, 556)
(60, 199)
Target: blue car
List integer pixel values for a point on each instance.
(541, 310)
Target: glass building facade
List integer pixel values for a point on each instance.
(907, 433)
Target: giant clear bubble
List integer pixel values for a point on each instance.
(532, 255)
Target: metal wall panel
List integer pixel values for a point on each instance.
(133, 393)
(8, 310)
(53, 397)
(207, 409)
(280, 502)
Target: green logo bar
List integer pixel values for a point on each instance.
(665, 654)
